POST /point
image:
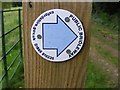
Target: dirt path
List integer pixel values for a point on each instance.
(113, 51)
(110, 69)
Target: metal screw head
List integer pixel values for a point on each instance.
(68, 51)
(30, 4)
(35, 24)
(67, 19)
(39, 36)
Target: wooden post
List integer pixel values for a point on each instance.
(40, 73)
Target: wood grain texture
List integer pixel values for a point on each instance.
(40, 73)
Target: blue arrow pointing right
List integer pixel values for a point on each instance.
(57, 36)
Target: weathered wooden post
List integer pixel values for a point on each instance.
(40, 73)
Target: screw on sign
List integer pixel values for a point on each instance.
(57, 35)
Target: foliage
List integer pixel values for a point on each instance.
(16, 4)
(105, 29)
(108, 7)
(11, 21)
(95, 77)
(6, 5)
(107, 15)
(102, 32)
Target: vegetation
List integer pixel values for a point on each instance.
(8, 5)
(10, 22)
(96, 78)
(104, 34)
(106, 14)
(104, 45)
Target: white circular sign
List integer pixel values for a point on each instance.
(57, 35)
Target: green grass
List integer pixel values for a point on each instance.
(107, 55)
(18, 80)
(11, 21)
(106, 32)
(0, 75)
(101, 33)
(96, 78)
(109, 21)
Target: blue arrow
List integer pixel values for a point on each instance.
(57, 36)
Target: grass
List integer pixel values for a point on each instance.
(95, 77)
(109, 21)
(18, 80)
(11, 21)
(107, 55)
(0, 75)
(101, 33)
(0, 56)
(107, 35)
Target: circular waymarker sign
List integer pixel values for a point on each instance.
(57, 35)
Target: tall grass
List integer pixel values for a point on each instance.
(110, 21)
(105, 30)
(10, 22)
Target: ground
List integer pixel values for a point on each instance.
(104, 52)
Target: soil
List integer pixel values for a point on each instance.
(107, 67)
(113, 51)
